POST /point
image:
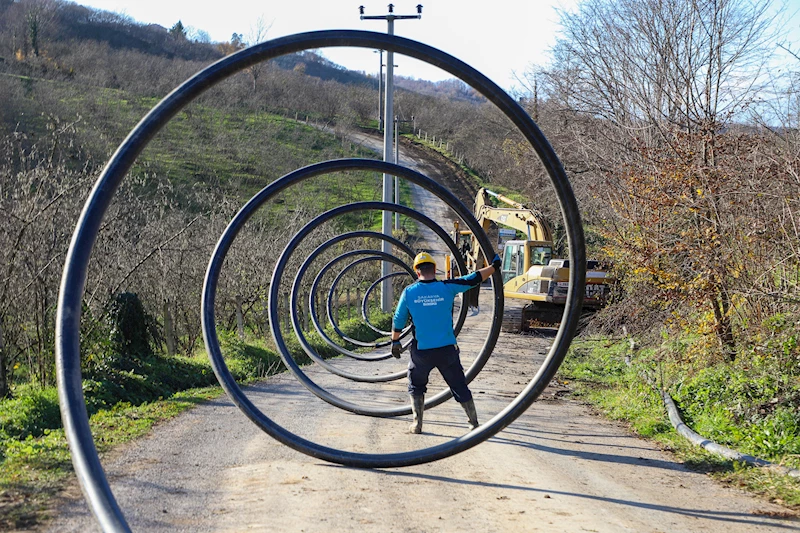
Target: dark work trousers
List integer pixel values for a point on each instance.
(447, 361)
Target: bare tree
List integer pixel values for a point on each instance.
(39, 197)
(648, 88)
(257, 33)
(646, 63)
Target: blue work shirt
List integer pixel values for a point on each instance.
(430, 305)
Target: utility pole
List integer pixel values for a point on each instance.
(396, 162)
(386, 222)
(380, 91)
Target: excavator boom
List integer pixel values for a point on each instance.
(530, 222)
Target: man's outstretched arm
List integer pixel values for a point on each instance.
(476, 278)
(485, 272)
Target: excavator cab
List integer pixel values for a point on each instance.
(464, 243)
(519, 256)
(540, 255)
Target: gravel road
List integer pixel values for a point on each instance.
(558, 468)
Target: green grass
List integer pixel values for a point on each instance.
(725, 403)
(34, 457)
(34, 469)
(240, 150)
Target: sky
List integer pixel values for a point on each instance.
(497, 38)
(501, 39)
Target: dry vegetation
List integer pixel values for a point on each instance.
(681, 142)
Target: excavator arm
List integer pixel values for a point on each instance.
(530, 222)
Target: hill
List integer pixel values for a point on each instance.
(73, 93)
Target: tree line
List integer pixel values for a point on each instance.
(680, 142)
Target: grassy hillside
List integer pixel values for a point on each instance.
(238, 149)
(206, 162)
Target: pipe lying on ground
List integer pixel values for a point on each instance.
(695, 438)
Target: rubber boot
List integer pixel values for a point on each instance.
(417, 408)
(472, 414)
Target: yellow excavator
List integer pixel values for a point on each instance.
(531, 275)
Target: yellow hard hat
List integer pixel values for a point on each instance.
(423, 257)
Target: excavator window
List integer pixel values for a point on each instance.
(512, 256)
(540, 255)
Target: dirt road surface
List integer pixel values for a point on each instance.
(558, 468)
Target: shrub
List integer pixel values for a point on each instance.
(29, 414)
(776, 435)
(131, 330)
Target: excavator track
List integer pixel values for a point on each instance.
(520, 318)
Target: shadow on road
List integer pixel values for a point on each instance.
(724, 516)
(593, 456)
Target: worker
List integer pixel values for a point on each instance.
(429, 303)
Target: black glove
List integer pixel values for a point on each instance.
(396, 349)
(496, 262)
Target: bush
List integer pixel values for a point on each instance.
(120, 364)
(33, 411)
(122, 386)
(178, 373)
(776, 435)
(247, 361)
(131, 330)
(751, 404)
